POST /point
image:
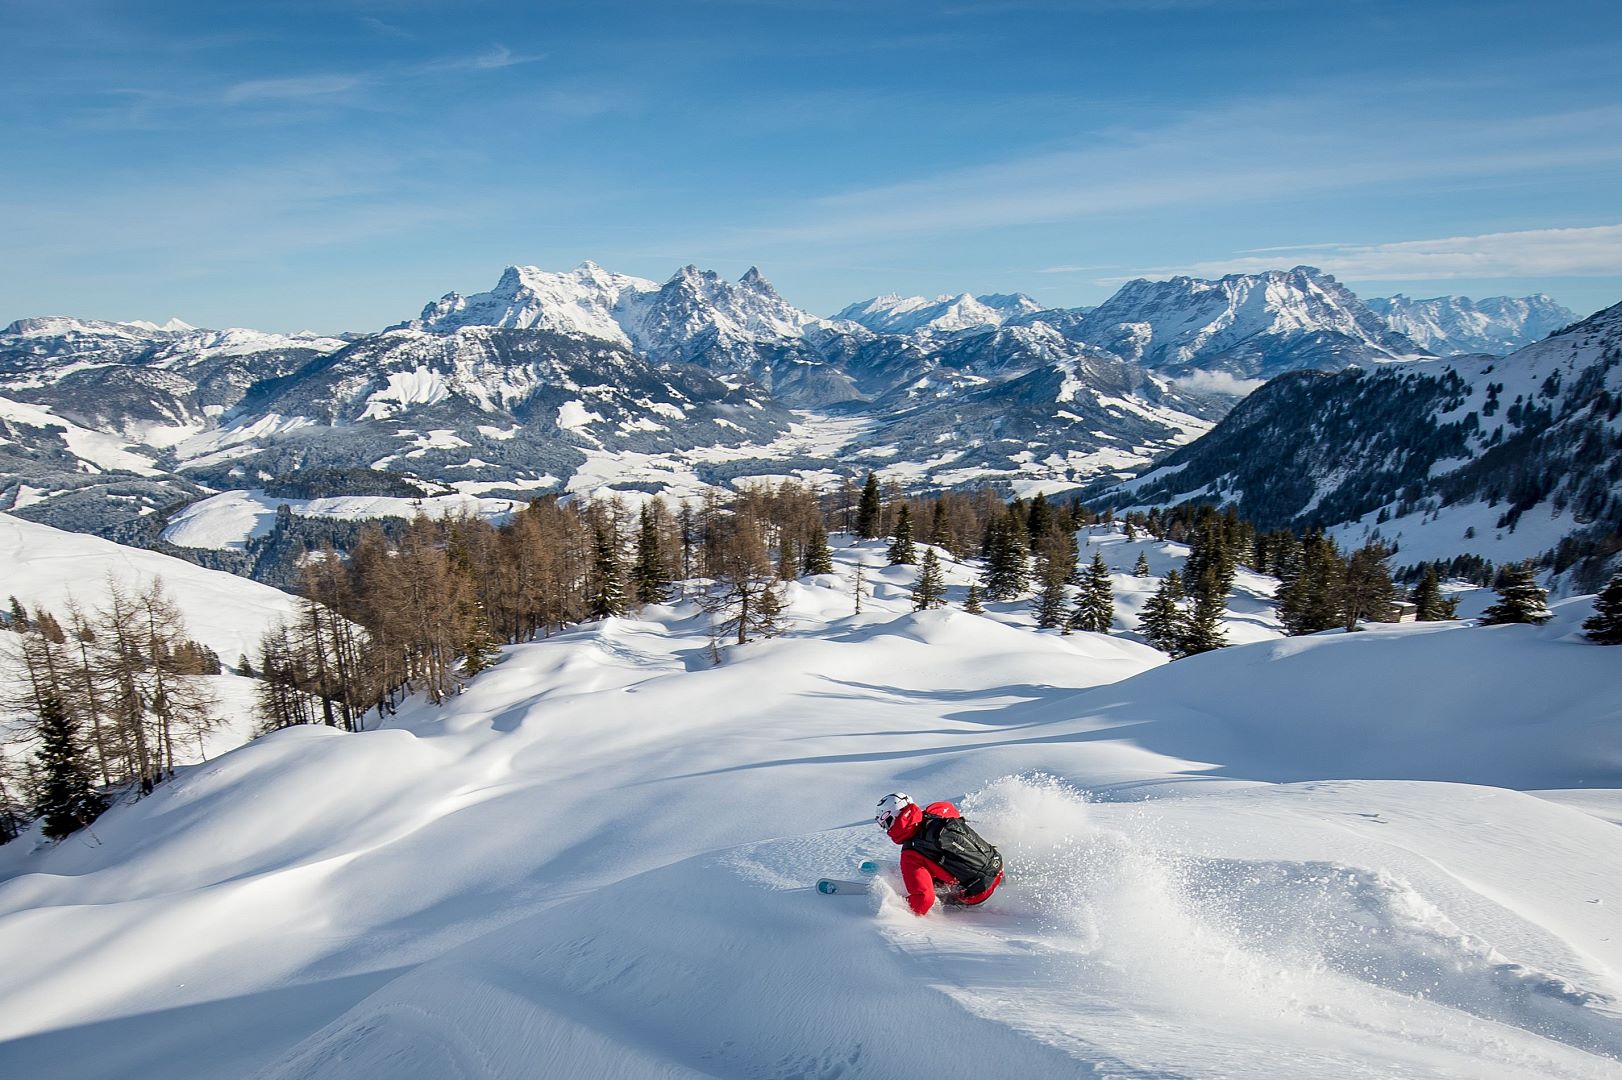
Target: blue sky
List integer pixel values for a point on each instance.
(337, 165)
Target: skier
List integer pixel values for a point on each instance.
(939, 853)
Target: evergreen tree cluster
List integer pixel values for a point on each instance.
(1329, 590)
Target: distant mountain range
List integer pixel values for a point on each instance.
(1502, 458)
(588, 380)
(1456, 324)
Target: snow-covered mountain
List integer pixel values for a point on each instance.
(893, 314)
(597, 862)
(589, 379)
(697, 317)
(1446, 325)
(1245, 325)
(1504, 458)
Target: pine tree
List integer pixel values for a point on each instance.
(1039, 520)
(870, 511)
(1428, 599)
(903, 552)
(1049, 601)
(245, 666)
(1311, 600)
(769, 612)
(940, 526)
(67, 802)
(1095, 603)
(1006, 574)
(819, 558)
(1164, 621)
(1520, 599)
(1366, 589)
(930, 589)
(1604, 627)
(1204, 628)
(649, 572)
(1141, 567)
(971, 602)
(481, 650)
(608, 587)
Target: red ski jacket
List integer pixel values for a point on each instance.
(921, 874)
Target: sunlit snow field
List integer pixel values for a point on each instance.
(1293, 858)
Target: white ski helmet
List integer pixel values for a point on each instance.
(889, 807)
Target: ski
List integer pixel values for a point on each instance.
(833, 886)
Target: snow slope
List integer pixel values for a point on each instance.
(893, 314)
(232, 518)
(45, 567)
(596, 862)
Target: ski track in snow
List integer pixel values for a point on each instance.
(598, 862)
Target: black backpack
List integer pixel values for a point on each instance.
(959, 850)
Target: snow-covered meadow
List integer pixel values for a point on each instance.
(1389, 854)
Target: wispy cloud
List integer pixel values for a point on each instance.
(387, 29)
(1247, 152)
(494, 58)
(1592, 251)
(294, 88)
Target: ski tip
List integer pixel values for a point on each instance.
(868, 866)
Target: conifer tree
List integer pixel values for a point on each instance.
(870, 511)
(1095, 603)
(903, 552)
(1006, 574)
(1520, 599)
(1428, 599)
(971, 602)
(1164, 622)
(1367, 590)
(649, 572)
(67, 802)
(1039, 519)
(1311, 601)
(788, 561)
(940, 525)
(481, 650)
(929, 591)
(1141, 567)
(1049, 601)
(818, 556)
(769, 612)
(1604, 627)
(608, 586)
(1204, 628)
